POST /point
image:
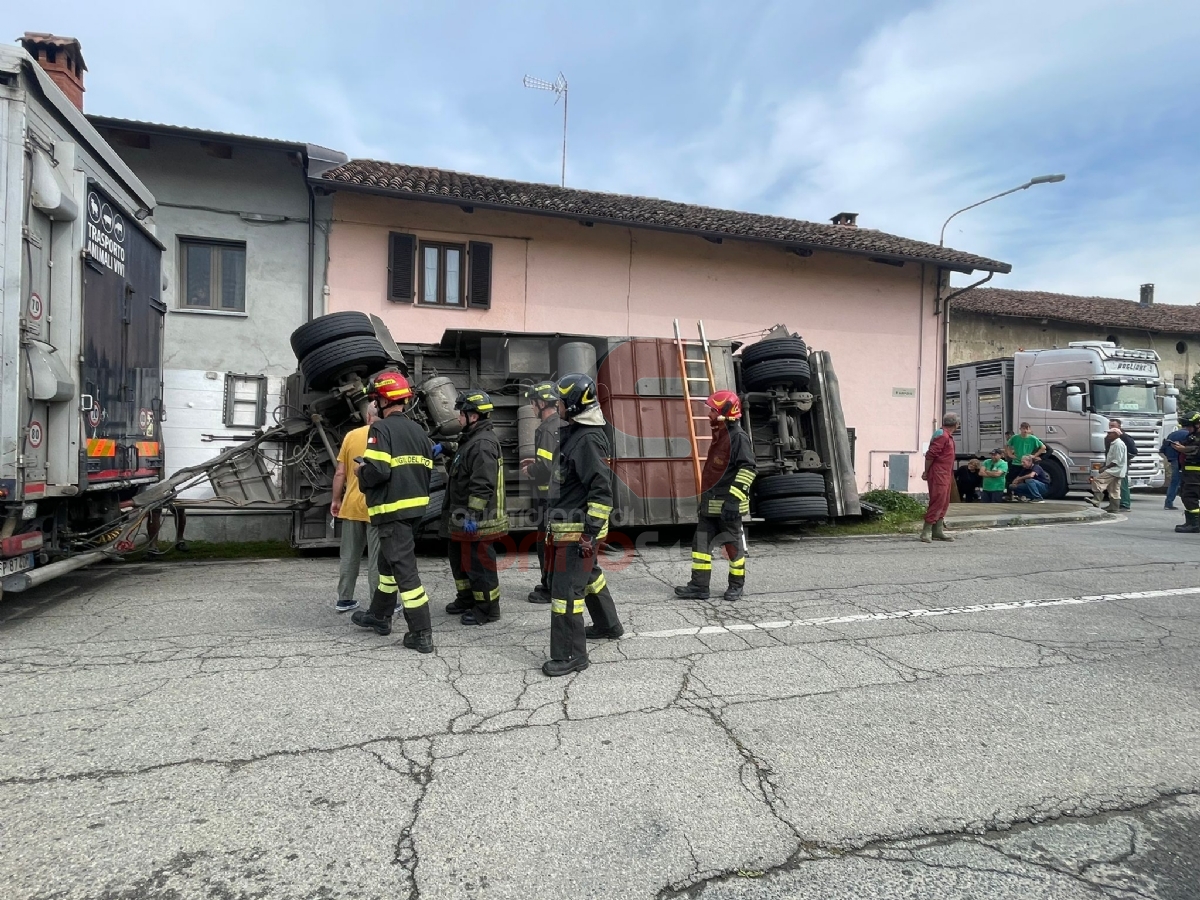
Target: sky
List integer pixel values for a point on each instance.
(900, 111)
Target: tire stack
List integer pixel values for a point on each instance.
(776, 363)
(781, 364)
(336, 346)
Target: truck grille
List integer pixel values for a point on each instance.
(1147, 461)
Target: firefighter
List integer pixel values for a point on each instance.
(725, 483)
(581, 496)
(539, 469)
(1189, 490)
(394, 474)
(474, 514)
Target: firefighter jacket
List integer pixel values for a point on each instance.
(729, 471)
(394, 475)
(545, 440)
(1189, 456)
(581, 491)
(475, 485)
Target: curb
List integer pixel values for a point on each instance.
(1016, 521)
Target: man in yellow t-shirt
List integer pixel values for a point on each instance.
(350, 506)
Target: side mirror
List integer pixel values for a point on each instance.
(1170, 405)
(1075, 402)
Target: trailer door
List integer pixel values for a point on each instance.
(122, 345)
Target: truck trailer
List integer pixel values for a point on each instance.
(652, 391)
(81, 326)
(1067, 395)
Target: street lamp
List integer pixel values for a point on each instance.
(1041, 179)
(559, 88)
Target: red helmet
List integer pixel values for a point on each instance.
(388, 387)
(726, 404)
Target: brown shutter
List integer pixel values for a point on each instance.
(402, 251)
(480, 296)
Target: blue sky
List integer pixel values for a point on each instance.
(902, 112)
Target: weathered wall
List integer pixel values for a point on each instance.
(974, 336)
(204, 196)
(557, 275)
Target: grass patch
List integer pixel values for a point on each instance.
(901, 514)
(205, 550)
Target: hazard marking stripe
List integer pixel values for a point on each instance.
(102, 447)
(147, 448)
(915, 613)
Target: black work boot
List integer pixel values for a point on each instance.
(482, 613)
(380, 624)
(463, 602)
(539, 594)
(421, 641)
(692, 591)
(556, 667)
(734, 591)
(596, 633)
(1191, 524)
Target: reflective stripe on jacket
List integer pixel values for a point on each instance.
(729, 470)
(394, 475)
(581, 492)
(476, 485)
(545, 442)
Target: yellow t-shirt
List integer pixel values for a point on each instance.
(354, 504)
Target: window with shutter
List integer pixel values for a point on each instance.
(480, 258)
(401, 254)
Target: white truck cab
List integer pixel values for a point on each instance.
(1067, 395)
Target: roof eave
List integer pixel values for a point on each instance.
(198, 134)
(332, 184)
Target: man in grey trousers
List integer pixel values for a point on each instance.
(350, 506)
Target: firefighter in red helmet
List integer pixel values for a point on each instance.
(728, 473)
(394, 475)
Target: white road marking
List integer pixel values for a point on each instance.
(912, 613)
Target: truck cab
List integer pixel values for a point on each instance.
(1067, 395)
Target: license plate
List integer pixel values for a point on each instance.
(1139, 482)
(16, 564)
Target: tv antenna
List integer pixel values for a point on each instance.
(559, 88)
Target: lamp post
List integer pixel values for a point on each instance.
(1041, 179)
(559, 88)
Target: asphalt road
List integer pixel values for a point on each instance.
(1015, 715)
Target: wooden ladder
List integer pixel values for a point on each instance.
(688, 361)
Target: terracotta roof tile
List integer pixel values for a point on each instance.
(1105, 312)
(645, 212)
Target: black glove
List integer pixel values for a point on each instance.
(587, 546)
(731, 512)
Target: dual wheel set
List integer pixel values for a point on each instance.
(336, 346)
(781, 364)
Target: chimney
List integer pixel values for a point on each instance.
(62, 60)
(1147, 297)
(845, 219)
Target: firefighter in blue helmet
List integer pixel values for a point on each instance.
(580, 501)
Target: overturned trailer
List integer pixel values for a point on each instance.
(652, 392)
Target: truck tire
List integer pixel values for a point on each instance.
(1058, 479)
(327, 329)
(796, 484)
(793, 509)
(792, 373)
(352, 355)
(776, 348)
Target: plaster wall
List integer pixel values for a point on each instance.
(555, 274)
(974, 336)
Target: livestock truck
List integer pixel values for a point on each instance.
(1067, 395)
(80, 330)
(652, 391)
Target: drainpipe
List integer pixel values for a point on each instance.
(944, 311)
(312, 238)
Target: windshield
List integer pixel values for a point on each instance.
(1125, 398)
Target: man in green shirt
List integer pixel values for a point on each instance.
(1026, 444)
(995, 473)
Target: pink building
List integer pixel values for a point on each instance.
(427, 250)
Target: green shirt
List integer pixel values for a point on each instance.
(997, 483)
(1025, 446)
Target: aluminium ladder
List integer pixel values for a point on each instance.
(688, 358)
